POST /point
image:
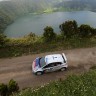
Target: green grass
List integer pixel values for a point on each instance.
(82, 85)
(25, 46)
(48, 10)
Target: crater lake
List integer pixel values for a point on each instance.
(37, 22)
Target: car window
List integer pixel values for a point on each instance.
(53, 64)
(42, 61)
(49, 65)
(57, 63)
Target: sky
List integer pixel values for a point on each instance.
(8, 0)
(3, 0)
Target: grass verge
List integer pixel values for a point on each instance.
(82, 85)
(28, 46)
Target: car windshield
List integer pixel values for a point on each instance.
(42, 61)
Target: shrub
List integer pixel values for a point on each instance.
(3, 90)
(69, 28)
(12, 86)
(6, 90)
(49, 34)
(30, 37)
(2, 40)
(93, 32)
(85, 31)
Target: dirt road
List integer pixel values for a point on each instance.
(19, 68)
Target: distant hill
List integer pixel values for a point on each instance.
(15, 8)
(11, 9)
(78, 5)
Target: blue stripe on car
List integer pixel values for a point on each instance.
(37, 62)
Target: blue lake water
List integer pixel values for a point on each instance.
(36, 23)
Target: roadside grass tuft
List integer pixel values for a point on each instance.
(74, 85)
(30, 45)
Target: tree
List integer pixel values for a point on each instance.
(31, 37)
(93, 32)
(69, 28)
(49, 34)
(85, 31)
(31, 34)
(2, 40)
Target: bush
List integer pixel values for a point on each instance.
(69, 28)
(2, 40)
(6, 90)
(49, 34)
(93, 32)
(3, 90)
(85, 31)
(12, 86)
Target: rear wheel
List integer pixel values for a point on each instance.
(63, 69)
(39, 73)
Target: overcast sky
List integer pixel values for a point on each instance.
(7, 0)
(3, 0)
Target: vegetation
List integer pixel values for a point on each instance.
(74, 85)
(71, 36)
(93, 67)
(6, 90)
(12, 9)
(2, 40)
(75, 5)
(49, 34)
(81, 85)
(3, 89)
(69, 29)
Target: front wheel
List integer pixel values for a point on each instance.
(39, 73)
(63, 69)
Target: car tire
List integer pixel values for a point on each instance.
(39, 73)
(63, 69)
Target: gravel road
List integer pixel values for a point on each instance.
(19, 68)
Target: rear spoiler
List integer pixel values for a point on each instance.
(65, 59)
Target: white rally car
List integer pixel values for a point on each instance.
(49, 63)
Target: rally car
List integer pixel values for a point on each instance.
(49, 63)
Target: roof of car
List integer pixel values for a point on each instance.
(53, 58)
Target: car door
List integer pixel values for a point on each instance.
(57, 66)
(48, 68)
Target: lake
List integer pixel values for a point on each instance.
(36, 23)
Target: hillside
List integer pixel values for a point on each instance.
(12, 9)
(78, 5)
